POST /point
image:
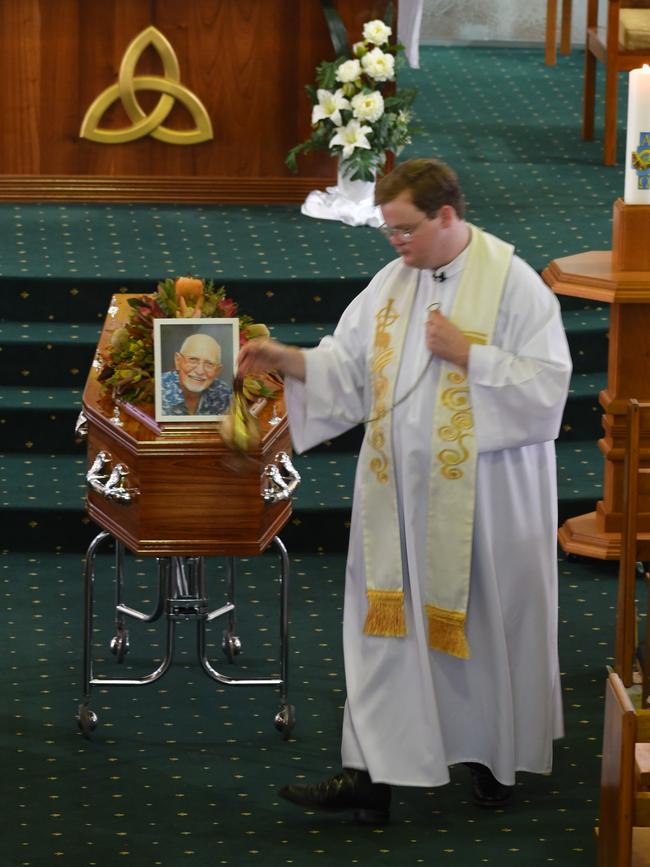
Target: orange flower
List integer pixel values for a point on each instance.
(188, 287)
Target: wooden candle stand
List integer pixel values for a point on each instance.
(619, 277)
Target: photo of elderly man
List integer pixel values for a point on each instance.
(193, 387)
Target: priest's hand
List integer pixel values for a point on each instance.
(262, 354)
(446, 341)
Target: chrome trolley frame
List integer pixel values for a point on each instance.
(182, 596)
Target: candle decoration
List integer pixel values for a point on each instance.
(637, 147)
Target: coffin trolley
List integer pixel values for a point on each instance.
(233, 506)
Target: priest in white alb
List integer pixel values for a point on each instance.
(455, 359)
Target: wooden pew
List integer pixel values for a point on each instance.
(624, 817)
(634, 547)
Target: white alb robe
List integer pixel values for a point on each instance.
(411, 711)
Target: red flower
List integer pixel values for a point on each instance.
(228, 308)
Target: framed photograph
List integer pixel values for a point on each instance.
(194, 367)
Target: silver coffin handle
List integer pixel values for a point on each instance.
(98, 474)
(279, 480)
(81, 426)
(116, 488)
(110, 485)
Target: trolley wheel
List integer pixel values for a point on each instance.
(231, 645)
(86, 720)
(285, 720)
(120, 644)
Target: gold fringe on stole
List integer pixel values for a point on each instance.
(385, 613)
(447, 631)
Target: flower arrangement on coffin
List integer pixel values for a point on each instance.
(128, 360)
(357, 114)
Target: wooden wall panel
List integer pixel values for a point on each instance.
(247, 61)
(20, 74)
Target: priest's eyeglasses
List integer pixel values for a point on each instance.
(391, 232)
(192, 361)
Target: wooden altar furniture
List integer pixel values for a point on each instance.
(636, 483)
(624, 815)
(619, 277)
(623, 45)
(246, 62)
(551, 27)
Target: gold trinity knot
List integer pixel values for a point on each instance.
(168, 85)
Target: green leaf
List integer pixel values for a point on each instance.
(290, 159)
(336, 27)
(326, 75)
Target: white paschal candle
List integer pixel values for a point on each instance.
(638, 135)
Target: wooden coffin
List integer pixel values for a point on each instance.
(180, 491)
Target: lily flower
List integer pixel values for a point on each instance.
(329, 107)
(351, 136)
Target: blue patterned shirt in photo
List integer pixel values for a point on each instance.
(213, 401)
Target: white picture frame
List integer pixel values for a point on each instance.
(193, 377)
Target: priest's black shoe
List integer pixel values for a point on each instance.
(349, 790)
(487, 791)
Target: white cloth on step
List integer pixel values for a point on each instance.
(334, 204)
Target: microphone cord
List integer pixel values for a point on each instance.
(430, 308)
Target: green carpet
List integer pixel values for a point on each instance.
(185, 771)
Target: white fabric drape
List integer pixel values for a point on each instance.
(409, 22)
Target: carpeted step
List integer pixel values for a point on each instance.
(47, 354)
(304, 334)
(43, 497)
(40, 419)
(60, 353)
(582, 419)
(42, 502)
(587, 332)
(579, 477)
(48, 333)
(45, 416)
(43, 419)
(268, 299)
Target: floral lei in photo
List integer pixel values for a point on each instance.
(128, 360)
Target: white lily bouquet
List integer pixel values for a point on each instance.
(357, 114)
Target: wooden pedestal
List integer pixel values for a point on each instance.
(192, 496)
(621, 278)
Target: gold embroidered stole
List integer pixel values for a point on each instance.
(453, 469)
(380, 520)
